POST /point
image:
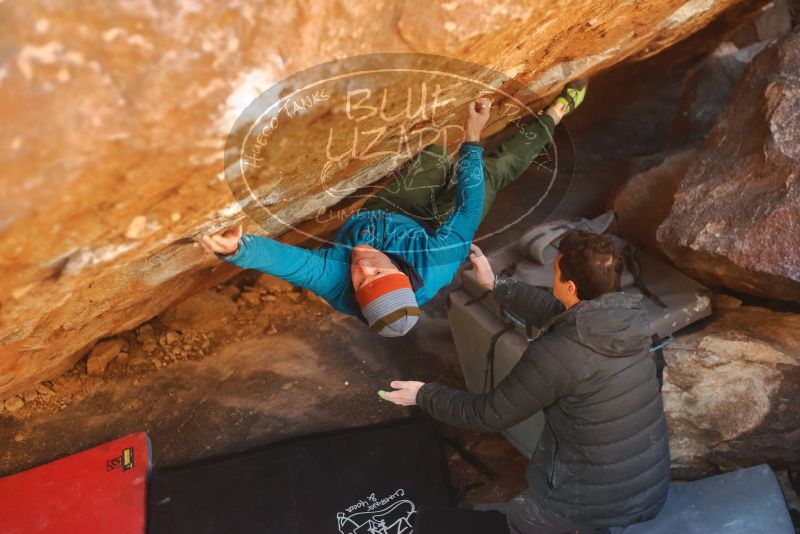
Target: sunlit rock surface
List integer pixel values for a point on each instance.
(115, 116)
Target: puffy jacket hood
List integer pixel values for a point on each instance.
(614, 325)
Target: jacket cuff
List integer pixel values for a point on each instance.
(425, 396)
(240, 252)
(475, 144)
(503, 286)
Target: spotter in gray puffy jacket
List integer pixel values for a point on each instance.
(603, 458)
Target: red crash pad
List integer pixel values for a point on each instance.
(100, 490)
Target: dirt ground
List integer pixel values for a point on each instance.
(285, 366)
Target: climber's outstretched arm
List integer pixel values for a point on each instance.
(298, 266)
(453, 237)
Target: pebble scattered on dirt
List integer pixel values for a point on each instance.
(261, 304)
(13, 404)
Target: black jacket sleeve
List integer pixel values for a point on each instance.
(530, 303)
(537, 381)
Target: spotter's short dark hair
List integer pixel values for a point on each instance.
(592, 262)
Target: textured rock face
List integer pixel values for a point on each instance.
(115, 116)
(646, 199)
(205, 307)
(708, 87)
(731, 392)
(735, 220)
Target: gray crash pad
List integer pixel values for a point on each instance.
(473, 326)
(748, 501)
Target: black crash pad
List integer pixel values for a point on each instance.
(748, 501)
(436, 520)
(368, 480)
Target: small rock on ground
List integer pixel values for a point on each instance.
(13, 404)
(172, 337)
(102, 354)
(44, 391)
(146, 337)
(252, 297)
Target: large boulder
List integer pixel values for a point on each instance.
(115, 116)
(735, 219)
(646, 199)
(731, 391)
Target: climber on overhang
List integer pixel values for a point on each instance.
(386, 264)
(383, 265)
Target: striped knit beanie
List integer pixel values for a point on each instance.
(388, 304)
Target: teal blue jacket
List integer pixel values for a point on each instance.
(326, 271)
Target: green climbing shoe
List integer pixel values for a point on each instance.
(572, 95)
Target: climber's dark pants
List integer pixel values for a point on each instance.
(424, 187)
